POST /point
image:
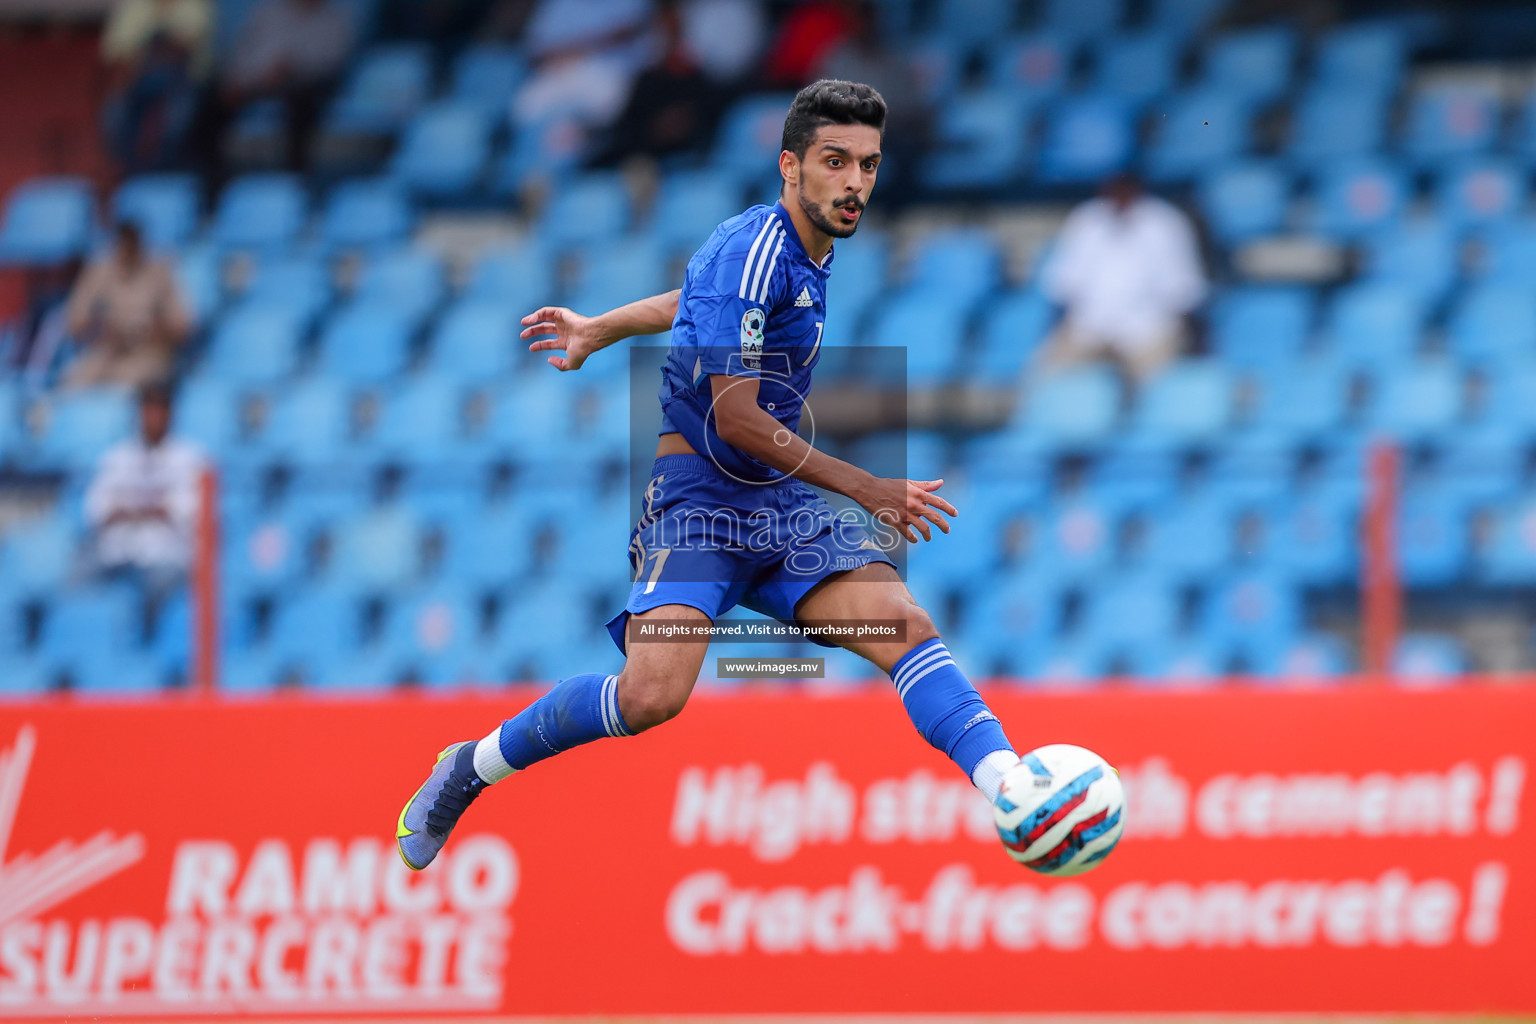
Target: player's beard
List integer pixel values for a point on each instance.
(822, 222)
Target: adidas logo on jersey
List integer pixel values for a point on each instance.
(804, 298)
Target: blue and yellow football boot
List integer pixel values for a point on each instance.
(430, 814)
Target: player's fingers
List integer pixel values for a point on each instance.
(557, 362)
(930, 485)
(542, 313)
(546, 343)
(932, 515)
(537, 329)
(922, 527)
(942, 505)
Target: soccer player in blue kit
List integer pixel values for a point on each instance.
(746, 333)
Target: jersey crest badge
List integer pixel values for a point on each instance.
(753, 325)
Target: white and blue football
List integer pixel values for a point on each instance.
(1061, 810)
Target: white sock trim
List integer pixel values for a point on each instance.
(489, 764)
(988, 776)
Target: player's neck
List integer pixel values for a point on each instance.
(813, 240)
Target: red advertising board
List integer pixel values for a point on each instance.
(1363, 850)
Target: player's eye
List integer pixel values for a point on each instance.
(835, 162)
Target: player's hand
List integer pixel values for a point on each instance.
(909, 505)
(573, 333)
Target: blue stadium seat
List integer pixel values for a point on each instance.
(264, 551)
(1197, 131)
(256, 343)
(89, 624)
(1254, 611)
(1185, 17)
(1418, 401)
(82, 425)
(1188, 403)
(1015, 324)
(434, 632)
(1314, 658)
(1426, 660)
(980, 142)
(1136, 472)
(1304, 400)
(1068, 665)
(1251, 64)
(1131, 610)
(164, 206)
(1330, 124)
(1252, 466)
(1358, 196)
(1452, 120)
(1524, 141)
(12, 436)
(388, 84)
(476, 340)
(1485, 462)
(863, 268)
(539, 633)
(47, 221)
(1072, 407)
(922, 322)
(444, 150)
(421, 421)
(1030, 67)
(493, 552)
(1087, 139)
(611, 274)
(691, 204)
(300, 284)
(366, 343)
(1083, 19)
(1509, 255)
(1183, 664)
(935, 67)
(1138, 67)
(309, 423)
(592, 208)
(520, 276)
(1375, 323)
(24, 676)
(1314, 539)
(485, 75)
(965, 265)
(249, 673)
(199, 274)
(963, 23)
(37, 555)
(1433, 538)
(408, 280)
(749, 137)
(208, 412)
(1482, 192)
(1494, 323)
(366, 212)
(313, 625)
(260, 211)
(1261, 325)
(1361, 56)
(379, 550)
(1245, 200)
(1509, 557)
(1420, 255)
(125, 675)
(1079, 539)
(1191, 540)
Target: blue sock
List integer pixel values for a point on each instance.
(577, 710)
(946, 708)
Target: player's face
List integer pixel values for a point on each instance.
(837, 175)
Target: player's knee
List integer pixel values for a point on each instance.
(647, 702)
(919, 626)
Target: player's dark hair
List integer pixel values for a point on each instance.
(830, 101)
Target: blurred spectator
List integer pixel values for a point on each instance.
(1126, 272)
(292, 51)
(156, 52)
(724, 37)
(142, 503)
(127, 314)
(810, 32)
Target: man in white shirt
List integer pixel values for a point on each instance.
(143, 501)
(1126, 272)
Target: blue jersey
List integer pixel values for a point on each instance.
(753, 305)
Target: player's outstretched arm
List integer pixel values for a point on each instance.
(908, 505)
(580, 336)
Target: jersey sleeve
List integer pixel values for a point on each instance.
(736, 302)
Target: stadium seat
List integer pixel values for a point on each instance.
(1261, 325)
(1185, 664)
(309, 423)
(1245, 200)
(1329, 125)
(1426, 661)
(1452, 120)
(1252, 612)
(386, 87)
(1031, 67)
(366, 212)
(315, 624)
(1072, 407)
(476, 341)
(1083, 19)
(1191, 540)
(199, 275)
(1494, 323)
(923, 323)
(1433, 538)
(1137, 67)
(365, 343)
(1313, 659)
(1420, 255)
(1185, 17)
(1509, 556)
(377, 551)
(255, 343)
(691, 204)
(1087, 139)
(434, 633)
(1014, 326)
(264, 551)
(592, 208)
(47, 221)
(519, 276)
(1196, 131)
(1188, 403)
(1375, 324)
(1482, 192)
(485, 75)
(260, 211)
(1509, 252)
(980, 142)
(1130, 611)
(37, 555)
(1418, 401)
(964, 265)
(1485, 462)
(444, 150)
(1305, 399)
(86, 626)
(421, 421)
(749, 137)
(208, 412)
(1068, 665)
(611, 274)
(1135, 471)
(1361, 56)
(24, 677)
(165, 208)
(1253, 466)
(80, 426)
(1251, 64)
(408, 280)
(1359, 196)
(299, 284)
(1079, 539)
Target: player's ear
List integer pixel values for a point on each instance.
(789, 166)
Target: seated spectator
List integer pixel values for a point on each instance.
(724, 37)
(142, 503)
(156, 52)
(128, 316)
(809, 33)
(1126, 271)
(293, 51)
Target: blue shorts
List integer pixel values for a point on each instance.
(712, 542)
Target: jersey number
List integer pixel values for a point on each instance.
(814, 347)
(658, 559)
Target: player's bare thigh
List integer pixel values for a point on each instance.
(868, 593)
(658, 677)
